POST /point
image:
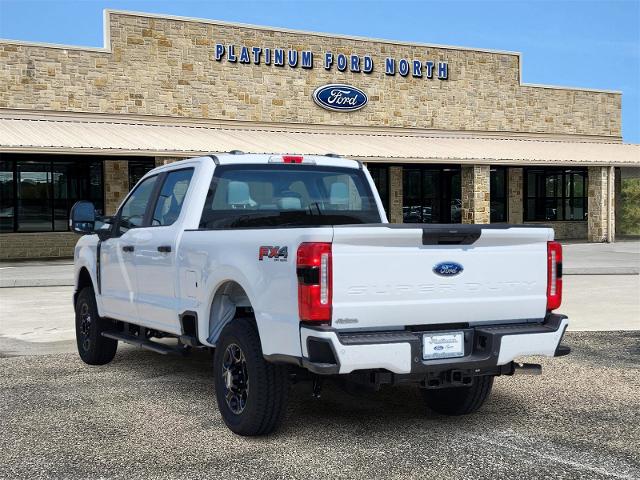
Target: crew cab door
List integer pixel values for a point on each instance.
(117, 254)
(156, 254)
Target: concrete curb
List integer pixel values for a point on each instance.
(601, 271)
(43, 282)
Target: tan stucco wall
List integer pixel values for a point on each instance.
(167, 67)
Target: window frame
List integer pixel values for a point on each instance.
(156, 195)
(146, 218)
(563, 197)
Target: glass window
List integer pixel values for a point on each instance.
(171, 198)
(287, 195)
(37, 191)
(138, 168)
(380, 177)
(133, 211)
(73, 181)
(555, 194)
(498, 194)
(431, 195)
(7, 197)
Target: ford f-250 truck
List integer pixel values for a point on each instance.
(283, 264)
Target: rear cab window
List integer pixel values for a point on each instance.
(283, 195)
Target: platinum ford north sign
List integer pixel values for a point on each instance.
(305, 59)
(340, 98)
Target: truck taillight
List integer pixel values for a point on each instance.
(554, 275)
(313, 266)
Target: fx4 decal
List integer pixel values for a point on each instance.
(278, 254)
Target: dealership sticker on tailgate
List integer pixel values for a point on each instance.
(442, 345)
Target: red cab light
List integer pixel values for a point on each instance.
(313, 266)
(554, 275)
(292, 158)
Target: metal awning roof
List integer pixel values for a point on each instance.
(95, 136)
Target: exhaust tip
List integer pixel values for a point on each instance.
(527, 368)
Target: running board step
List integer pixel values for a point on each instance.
(144, 343)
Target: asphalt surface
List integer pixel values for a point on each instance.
(151, 416)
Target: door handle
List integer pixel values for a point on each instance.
(127, 248)
(164, 248)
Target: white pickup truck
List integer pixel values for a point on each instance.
(286, 265)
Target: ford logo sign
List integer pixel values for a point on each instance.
(340, 98)
(448, 269)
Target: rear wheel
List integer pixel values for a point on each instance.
(251, 392)
(93, 348)
(459, 400)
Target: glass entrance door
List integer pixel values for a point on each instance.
(431, 194)
(34, 196)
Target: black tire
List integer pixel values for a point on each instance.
(93, 348)
(257, 399)
(459, 400)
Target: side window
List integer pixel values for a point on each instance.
(133, 210)
(171, 198)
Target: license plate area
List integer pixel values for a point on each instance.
(437, 345)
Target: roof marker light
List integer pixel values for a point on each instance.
(289, 159)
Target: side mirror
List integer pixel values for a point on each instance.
(83, 217)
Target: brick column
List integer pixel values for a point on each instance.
(618, 201)
(601, 205)
(475, 194)
(395, 194)
(515, 188)
(116, 184)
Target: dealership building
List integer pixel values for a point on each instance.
(449, 134)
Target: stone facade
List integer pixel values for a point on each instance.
(515, 207)
(23, 246)
(601, 202)
(167, 67)
(395, 194)
(116, 184)
(475, 193)
(574, 230)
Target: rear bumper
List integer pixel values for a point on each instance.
(487, 348)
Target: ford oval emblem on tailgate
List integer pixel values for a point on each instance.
(447, 269)
(340, 98)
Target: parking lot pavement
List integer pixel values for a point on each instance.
(621, 258)
(39, 320)
(36, 273)
(152, 416)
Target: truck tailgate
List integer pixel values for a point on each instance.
(383, 276)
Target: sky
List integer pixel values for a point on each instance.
(577, 43)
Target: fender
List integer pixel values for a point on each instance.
(86, 256)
